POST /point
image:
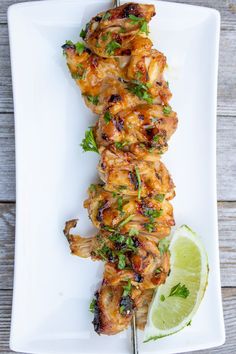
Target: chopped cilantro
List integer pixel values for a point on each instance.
(111, 47)
(89, 143)
(144, 28)
(158, 271)
(159, 197)
(162, 297)
(127, 288)
(122, 309)
(180, 291)
(82, 34)
(120, 203)
(141, 90)
(149, 226)
(140, 20)
(152, 213)
(156, 138)
(163, 245)
(79, 47)
(125, 221)
(121, 261)
(93, 99)
(105, 37)
(92, 306)
(120, 145)
(133, 232)
(106, 16)
(107, 117)
(138, 75)
(167, 110)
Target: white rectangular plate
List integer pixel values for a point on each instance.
(52, 289)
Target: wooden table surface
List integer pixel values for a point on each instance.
(226, 172)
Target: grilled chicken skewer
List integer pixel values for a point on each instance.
(121, 79)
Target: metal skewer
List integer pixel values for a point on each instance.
(134, 336)
(116, 3)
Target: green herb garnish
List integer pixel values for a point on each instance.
(89, 143)
(156, 138)
(133, 232)
(112, 46)
(92, 306)
(107, 117)
(79, 47)
(162, 298)
(163, 245)
(106, 16)
(139, 20)
(125, 221)
(127, 288)
(141, 90)
(82, 33)
(120, 203)
(149, 226)
(153, 213)
(93, 99)
(120, 145)
(139, 181)
(105, 37)
(180, 291)
(121, 261)
(159, 197)
(167, 110)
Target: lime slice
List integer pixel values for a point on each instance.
(175, 302)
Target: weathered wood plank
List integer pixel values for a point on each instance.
(227, 231)
(229, 303)
(226, 8)
(7, 158)
(227, 73)
(226, 167)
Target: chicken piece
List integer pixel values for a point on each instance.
(145, 268)
(123, 174)
(120, 31)
(149, 215)
(142, 308)
(112, 311)
(144, 130)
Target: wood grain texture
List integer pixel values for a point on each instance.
(229, 303)
(227, 231)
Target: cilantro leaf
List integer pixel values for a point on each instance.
(167, 110)
(93, 99)
(127, 288)
(111, 47)
(180, 291)
(89, 143)
(79, 47)
(141, 90)
(82, 33)
(163, 246)
(133, 232)
(107, 117)
(121, 261)
(92, 306)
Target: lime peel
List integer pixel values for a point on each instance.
(189, 267)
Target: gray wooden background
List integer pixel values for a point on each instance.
(226, 171)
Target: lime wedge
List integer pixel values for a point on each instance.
(175, 302)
